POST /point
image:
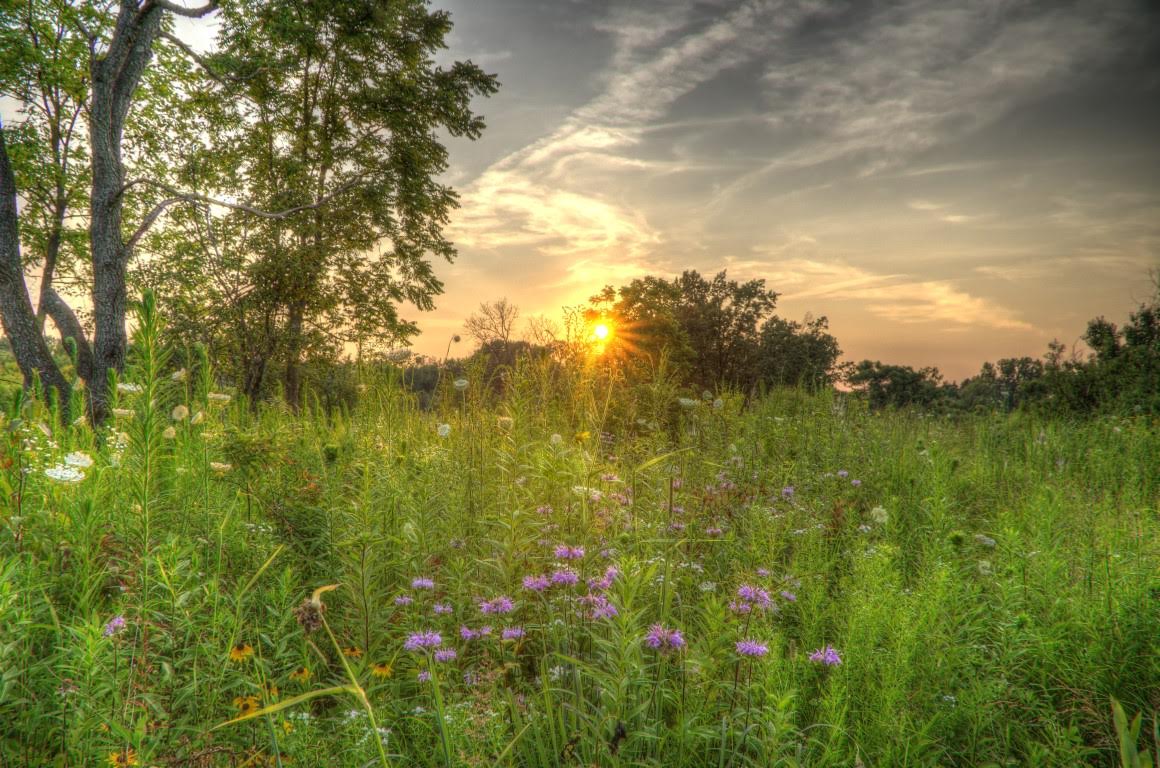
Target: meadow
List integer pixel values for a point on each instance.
(556, 568)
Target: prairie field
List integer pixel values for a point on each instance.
(549, 567)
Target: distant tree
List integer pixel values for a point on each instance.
(794, 354)
(707, 328)
(898, 386)
(1009, 384)
(494, 322)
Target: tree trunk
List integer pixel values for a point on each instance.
(28, 344)
(70, 327)
(115, 77)
(292, 382)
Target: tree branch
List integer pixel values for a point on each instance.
(179, 196)
(189, 13)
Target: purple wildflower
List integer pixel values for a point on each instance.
(422, 583)
(402, 600)
(713, 531)
(420, 640)
(751, 648)
(564, 552)
(424, 676)
(115, 623)
(842, 473)
(828, 656)
(788, 596)
(536, 583)
(442, 608)
(512, 633)
(565, 577)
(787, 492)
(661, 639)
(445, 654)
(763, 572)
(754, 595)
(501, 604)
(855, 483)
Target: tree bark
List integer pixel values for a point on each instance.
(115, 77)
(292, 382)
(70, 327)
(24, 334)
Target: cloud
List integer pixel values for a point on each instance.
(899, 298)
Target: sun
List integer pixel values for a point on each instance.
(601, 331)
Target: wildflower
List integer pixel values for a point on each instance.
(751, 648)
(536, 583)
(718, 404)
(179, 413)
(985, 541)
(985, 568)
(856, 483)
(300, 675)
(583, 436)
(198, 418)
(501, 604)
(504, 422)
(610, 574)
(788, 596)
(422, 583)
(116, 623)
(827, 655)
(352, 652)
(241, 652)
(565, 577)
(79, 459)
(169, 434)
(64, 474)
(218, 397)
(602, 608)
(128, 387)
(512, 633)
(474, 634)
(879, 515)
(287, 727)
(442, 609)
(787, 492)
(763, 572)
(460, 384)
(123, 413)
(420, 640)
(424, 676)
(556, 438)
(445, 654)
(713, 531)
(687, 403)
(246, 704)
(751, 595)
(220, 467)
(661, 639)
(443, 430)
(179, 375)
(402, 600)
(843, 473)
(309, 614)
(564, 552)
(382, 670)
(125, 757)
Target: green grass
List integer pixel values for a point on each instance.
(990, 585)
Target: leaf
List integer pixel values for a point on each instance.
(287, 703)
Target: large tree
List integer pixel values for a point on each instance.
(338, 100)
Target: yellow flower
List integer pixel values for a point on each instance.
(382, 671)
(246, 704)
(241, 652)
(582, 436)
(287, 726)
(352, 652)
(271, 690)
(300, 675)
(123, 758)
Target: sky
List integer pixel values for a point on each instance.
(947, 182)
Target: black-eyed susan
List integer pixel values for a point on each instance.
(382, 671)
(300, 675)
(352, 652)
(247, 704)
(271, 690)
(241, 652)
(124, 757)
(582, 436)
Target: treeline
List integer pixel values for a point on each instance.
(714, 334)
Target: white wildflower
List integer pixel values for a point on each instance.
(179, 413)
(79, 459)
(460, 384)
(64, 473)
(443, 430)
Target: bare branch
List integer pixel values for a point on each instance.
(179, 196)
(189, 13)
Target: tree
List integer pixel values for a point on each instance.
(118, 48)
(708, 328)
(796, 354)
(337, 101)
(898, 386)
(494, 322)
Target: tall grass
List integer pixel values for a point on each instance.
(988, 584)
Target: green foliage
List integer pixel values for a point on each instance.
(988, 582)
